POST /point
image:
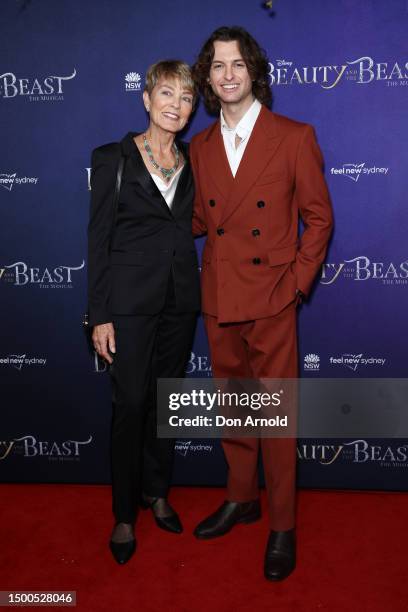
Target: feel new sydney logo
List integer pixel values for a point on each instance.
(354, 171)
(9, 180)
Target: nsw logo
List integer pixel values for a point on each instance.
(133, 81)
(311, 362)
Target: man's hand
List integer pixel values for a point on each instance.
(300, 297)
(103, 338)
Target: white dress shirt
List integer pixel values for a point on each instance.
(243, 130)
(167, 190)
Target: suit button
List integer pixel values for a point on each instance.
(256, 261)
(220, 231)
(256, 232)
(212, 203)
(260, 204)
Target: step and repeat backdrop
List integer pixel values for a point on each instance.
(71, 78)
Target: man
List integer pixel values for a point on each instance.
(256, 172)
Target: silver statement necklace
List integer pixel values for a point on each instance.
(167, 173)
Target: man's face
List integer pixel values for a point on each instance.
(229, 76)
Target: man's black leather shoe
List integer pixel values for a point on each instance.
(122, 551)
(227, 515)
(280, 555)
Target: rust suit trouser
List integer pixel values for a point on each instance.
(263, 348)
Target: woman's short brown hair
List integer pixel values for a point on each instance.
(254, 57)
(171, 69)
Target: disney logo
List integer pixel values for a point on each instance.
(282, 62)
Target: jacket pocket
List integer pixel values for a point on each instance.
(282, 255)
(272, 177)
(128, 258)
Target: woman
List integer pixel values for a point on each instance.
(144, 292)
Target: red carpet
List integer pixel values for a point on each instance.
(352, 553)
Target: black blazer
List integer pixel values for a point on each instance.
(149, 240)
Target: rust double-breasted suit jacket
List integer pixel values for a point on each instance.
(254, 258)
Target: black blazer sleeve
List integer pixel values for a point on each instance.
(104, 164)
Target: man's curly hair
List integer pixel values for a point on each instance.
(255, 59)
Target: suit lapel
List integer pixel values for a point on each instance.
(216, 161)
(137, 171)
(144, 179)
(262, 146)
(183, 187)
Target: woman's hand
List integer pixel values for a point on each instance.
(103, 338)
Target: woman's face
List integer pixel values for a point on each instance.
(170, 104)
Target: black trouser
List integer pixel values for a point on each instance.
(147, 347)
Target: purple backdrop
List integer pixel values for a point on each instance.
(71, 77)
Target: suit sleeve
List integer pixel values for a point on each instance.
(199, 223)
(103, 181)
(313, 202)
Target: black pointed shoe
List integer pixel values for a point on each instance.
(227, 515)
(122, 551)
(171, 522)
(280, 555)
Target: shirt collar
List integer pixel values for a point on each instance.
(246, 124)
